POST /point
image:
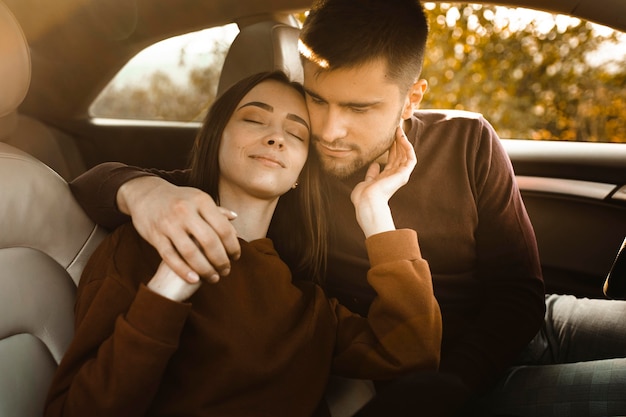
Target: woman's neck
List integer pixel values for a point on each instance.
(253, 215)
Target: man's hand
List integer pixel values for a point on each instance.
(191, 233)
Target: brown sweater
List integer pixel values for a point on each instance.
(463, 201)
(255, 344)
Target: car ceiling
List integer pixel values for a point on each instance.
(77, 46)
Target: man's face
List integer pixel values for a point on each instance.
(354, 113)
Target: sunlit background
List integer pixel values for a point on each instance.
(535, 75)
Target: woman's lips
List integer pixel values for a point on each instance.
(268, 160)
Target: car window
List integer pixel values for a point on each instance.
(534, 75)
(174, 80)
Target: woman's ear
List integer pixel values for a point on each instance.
(414, 98)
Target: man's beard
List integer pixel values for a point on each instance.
(342, 169)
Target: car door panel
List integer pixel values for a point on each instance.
(574, 194)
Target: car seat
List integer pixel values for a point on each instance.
(45, 241)
(266, 46)
(262, 46)
(53, 147)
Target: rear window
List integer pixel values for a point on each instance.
(534, 75)
(173, 80)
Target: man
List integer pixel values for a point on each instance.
(362, 61)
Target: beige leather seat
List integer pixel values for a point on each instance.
(45, 240)
(266, 46)
(262, 46)
(54, 148)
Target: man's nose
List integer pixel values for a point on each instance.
(332, 125)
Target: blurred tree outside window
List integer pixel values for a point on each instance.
(172, 80)
(534, 75)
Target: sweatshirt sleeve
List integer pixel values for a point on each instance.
(403, 329)
(121, 347)
(96, 189)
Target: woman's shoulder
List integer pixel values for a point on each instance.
(122, 254)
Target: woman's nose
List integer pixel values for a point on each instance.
(275, 141)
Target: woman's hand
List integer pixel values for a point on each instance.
(166, 283)
(371, 196)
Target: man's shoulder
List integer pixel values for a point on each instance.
(431, 116)
(456, 124)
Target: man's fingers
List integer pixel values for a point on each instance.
(187, 257)
(222, 230)
(205, 246)
(230, 215)
(203, 235)
(171, 257)
(193, 236)
(208, 244)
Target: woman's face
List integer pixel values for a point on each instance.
(265, 143)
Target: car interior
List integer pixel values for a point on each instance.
(47, 238)
(575, 193)
(45, 241)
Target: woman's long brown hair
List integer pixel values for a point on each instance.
(299, 227)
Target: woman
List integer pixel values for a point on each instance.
(258, 342)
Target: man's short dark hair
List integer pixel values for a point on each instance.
(349, 33)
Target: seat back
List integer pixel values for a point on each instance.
(49, 145)
(45, 241)
(262, 46)
(14, 70)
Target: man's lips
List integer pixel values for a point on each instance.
(268, 160)
(332, 151)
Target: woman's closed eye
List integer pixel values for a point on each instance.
(295, 127)
(297, 135)
(255, 120)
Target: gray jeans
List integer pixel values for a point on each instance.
(575, 366)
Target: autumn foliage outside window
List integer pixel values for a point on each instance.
(534, 75)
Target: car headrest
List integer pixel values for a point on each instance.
(14, 63)
(263, 46)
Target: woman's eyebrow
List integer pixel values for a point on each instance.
(264, 106)
(269, 108)
(298, 119)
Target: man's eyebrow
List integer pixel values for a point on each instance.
(312, 94)
(345, 103)
(269, 108)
